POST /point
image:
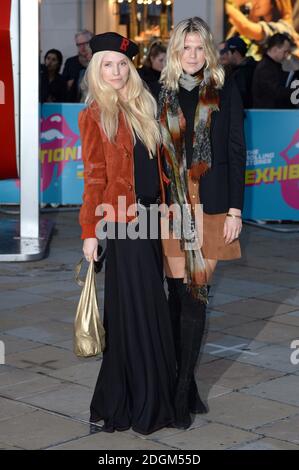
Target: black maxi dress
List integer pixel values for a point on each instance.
(136, 382)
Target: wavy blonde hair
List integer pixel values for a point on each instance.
(173, 69)
(139, 109)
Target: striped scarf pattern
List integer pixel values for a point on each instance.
(173, 125)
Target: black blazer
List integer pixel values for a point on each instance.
(268, 87)
(223, 186)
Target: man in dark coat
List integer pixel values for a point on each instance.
(269, 82)
(75, 66)
(242, 67)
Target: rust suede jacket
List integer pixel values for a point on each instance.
(108, 171)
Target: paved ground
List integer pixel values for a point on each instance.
(245, 373)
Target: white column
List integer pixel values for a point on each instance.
(29, 119)
(61, 19)
(59, 22)
(186, 9)
(106, 20)
(216, 19)
(209, 10)
(87, 15)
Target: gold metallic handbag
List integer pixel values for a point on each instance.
(89, 333)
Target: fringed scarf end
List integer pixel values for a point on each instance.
(199, 292)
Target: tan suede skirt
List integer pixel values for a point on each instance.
(211, 237)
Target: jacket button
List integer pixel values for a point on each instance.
(127, 154)
(130, 187)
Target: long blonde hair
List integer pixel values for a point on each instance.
(139, 109)
(173, 69)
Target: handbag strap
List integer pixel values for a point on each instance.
(77, 272)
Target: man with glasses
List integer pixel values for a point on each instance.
(75, 66)
(269, 81)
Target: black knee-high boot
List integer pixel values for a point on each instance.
(176, 290)
(193, 317)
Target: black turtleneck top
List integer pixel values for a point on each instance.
(188, 102)
(147, 182)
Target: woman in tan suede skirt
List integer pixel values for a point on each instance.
(201, 122)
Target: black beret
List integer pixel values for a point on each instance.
(113, 42)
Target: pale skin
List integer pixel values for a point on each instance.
(82, 43)
(193, 60)
(115, 71)
(250, 27)
(52, 64)
(235, 58)
(280, 53)
(223, 58)
(158, 62)
(84, 52)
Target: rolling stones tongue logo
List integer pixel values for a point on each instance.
(55, 134)
(290, 188)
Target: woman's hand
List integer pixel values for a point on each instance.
(232, 227)
(243, 25)
(230, 8)
(90, 248)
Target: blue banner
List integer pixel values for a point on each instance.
(61, 166)
(272, 170)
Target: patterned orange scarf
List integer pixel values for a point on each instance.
(172, 124)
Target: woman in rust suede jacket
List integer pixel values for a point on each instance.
(120, 137)
(108, 172)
